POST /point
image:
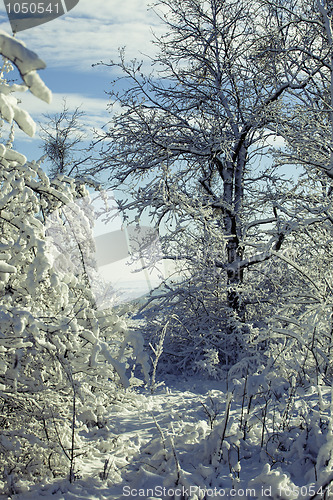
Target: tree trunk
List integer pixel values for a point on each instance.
(233, 198)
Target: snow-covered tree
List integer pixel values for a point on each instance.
(61, 357)
(306, 123)
(185, 142)
(63, 138)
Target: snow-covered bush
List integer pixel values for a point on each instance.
(62, 359)
(202, 333)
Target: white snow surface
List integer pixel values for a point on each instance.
(11, 111)
(24, 59)
(160, 443)
(37, 87)
(27, 63)
(11, 155)
(6, 268)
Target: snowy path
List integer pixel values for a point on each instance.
(165, 440)
(131, 426)
(169, 408)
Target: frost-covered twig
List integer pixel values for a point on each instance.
(211, 415)
(106, 469)
(225, 423)
(157, 350)
(178, 469)
(264, 423)
(161, 434)
(243, 402)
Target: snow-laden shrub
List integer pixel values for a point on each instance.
(292, 402)
(202, 334)
(62, 359)
(287, 425)
(274, 484)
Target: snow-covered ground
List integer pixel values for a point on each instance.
(183, 442)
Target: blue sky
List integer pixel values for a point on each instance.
(91, 32)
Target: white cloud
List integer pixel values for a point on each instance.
(89, 105)
(91, 32)
(95, 112)
(114, 9)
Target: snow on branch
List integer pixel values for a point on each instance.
(24, 59)
(27, 63)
